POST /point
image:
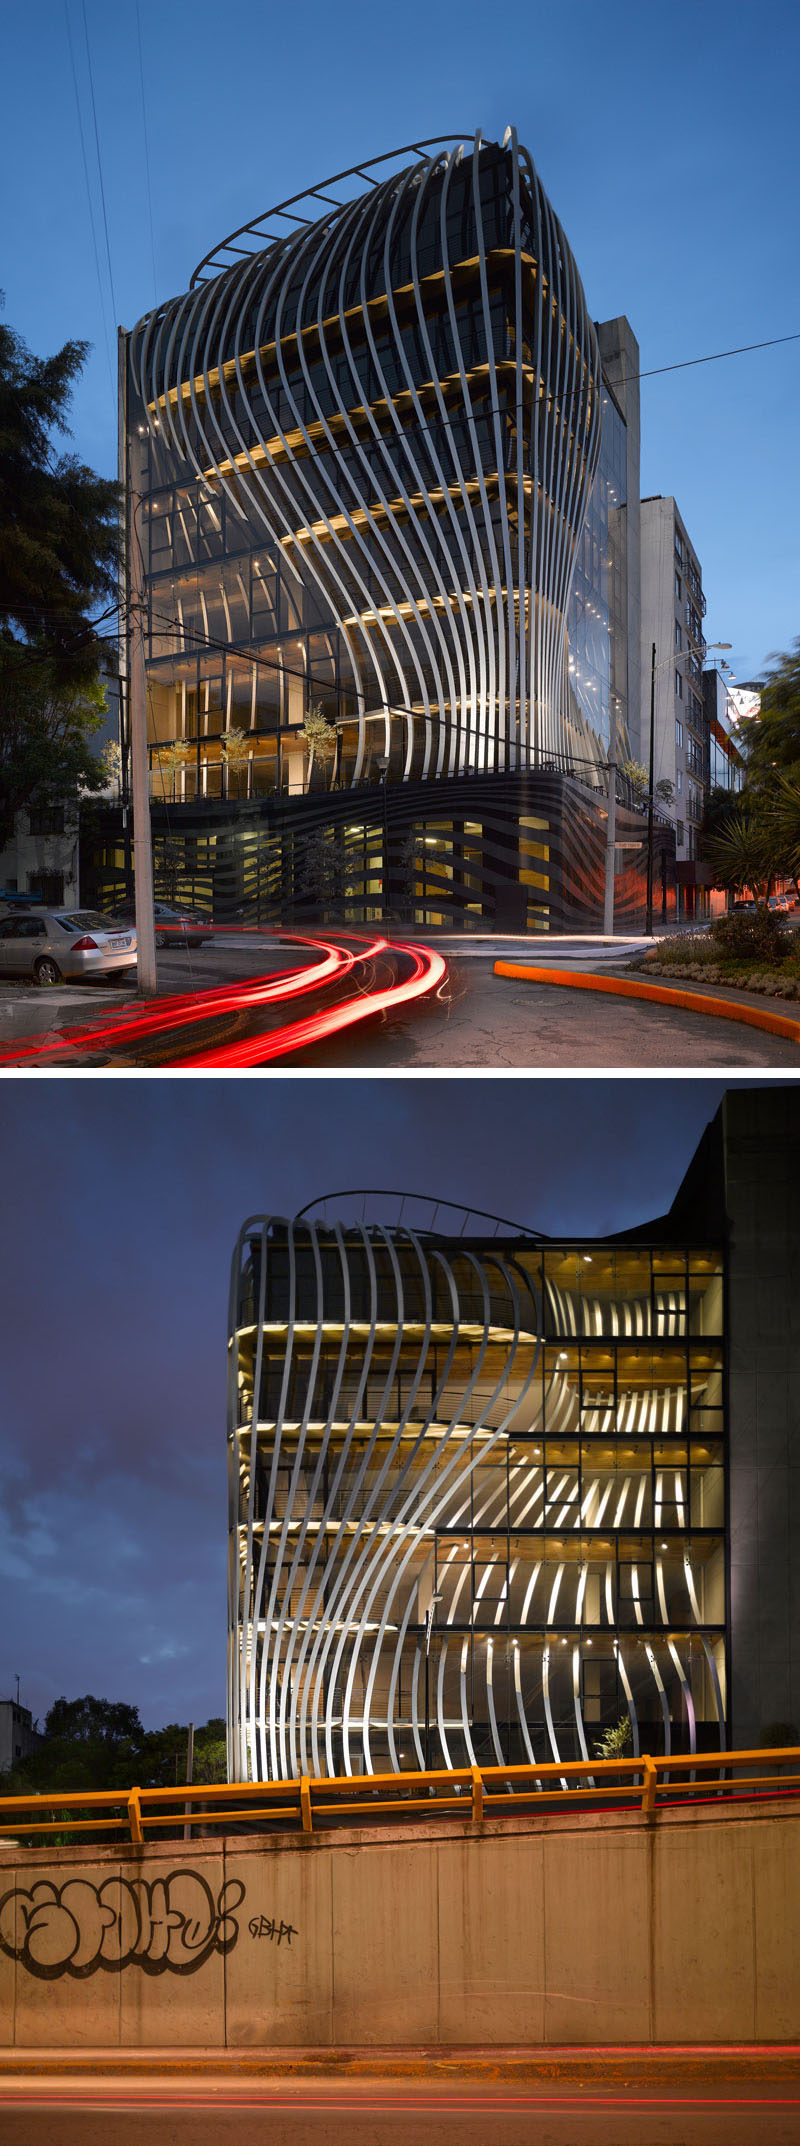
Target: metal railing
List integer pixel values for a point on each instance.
(477, 1794)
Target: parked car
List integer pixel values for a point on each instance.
(174, 927)
(53, 943)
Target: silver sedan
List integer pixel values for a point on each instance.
(49, 944)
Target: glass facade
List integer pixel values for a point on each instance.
(598, 612)
(478, 1498)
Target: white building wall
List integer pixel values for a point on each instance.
(670, 577)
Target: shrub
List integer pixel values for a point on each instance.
(688, 948)
(750, 938)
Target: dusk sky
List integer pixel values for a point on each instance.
(665, 137)
(123, 1199)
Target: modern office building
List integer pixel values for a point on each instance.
(672, 612)
(492, 1494)
(383, 475)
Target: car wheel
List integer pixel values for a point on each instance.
(46, 971)
(161, 939)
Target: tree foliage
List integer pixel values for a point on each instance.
(58, 557)
(46, 735)
(773, 739)
(319, 736)
(617, 1741)
(753, 838)
(93, 1743)
(58, 522)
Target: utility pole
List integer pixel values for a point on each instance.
(648, 917)
(187, 1808)
(611, 827)
(133, 622)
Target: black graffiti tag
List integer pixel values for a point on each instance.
(171, 1925)
(269, 1926)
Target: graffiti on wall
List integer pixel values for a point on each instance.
(170, 1925)
(269, 1926)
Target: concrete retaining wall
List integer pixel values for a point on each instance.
(592, 1929)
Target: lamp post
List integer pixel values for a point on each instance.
(666, 660)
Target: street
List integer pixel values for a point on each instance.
(470, 1018)
(724, 2109)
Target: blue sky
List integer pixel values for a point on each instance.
(666, 138)
(127, 1198)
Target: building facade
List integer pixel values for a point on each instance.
(724, 755)
(492, 1495)
(672, 614)
(18, 1737)
(384, 479)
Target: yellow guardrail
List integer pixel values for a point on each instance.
(478, 1793)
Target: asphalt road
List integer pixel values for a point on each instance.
(400, 2112)
(477, 1021)
(492, 1022)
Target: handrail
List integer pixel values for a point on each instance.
(475, 1793)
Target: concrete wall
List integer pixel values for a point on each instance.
(588, 1929)
(761, 1131)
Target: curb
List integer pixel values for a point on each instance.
(777, 1024)
(659, 2063)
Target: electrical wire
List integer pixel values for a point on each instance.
(106, 337)
(146, 151)
(99, 157)
(477, 414)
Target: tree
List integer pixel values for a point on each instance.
(320, 737)
(93, 1743)
(46, 733)
(742, 851)
(58, 525)
(171, 758)
(236, 746)
(786, 819)
(111, 758)
(636, 775)
(773, 739)
(58, 556)
(616, 1742)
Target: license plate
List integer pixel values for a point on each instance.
(120, 942)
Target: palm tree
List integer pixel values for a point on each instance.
(742, 853)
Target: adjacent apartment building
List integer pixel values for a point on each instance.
(724, 756)
(672, 613)
(492, 1494)
(383, 474)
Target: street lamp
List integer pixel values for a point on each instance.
(671, 660)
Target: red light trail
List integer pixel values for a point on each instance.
(429, 970)
(337, 963)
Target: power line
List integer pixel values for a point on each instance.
(146, 151)
(89, 200)
(99, 158)
(476, 415)
(712, 357)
